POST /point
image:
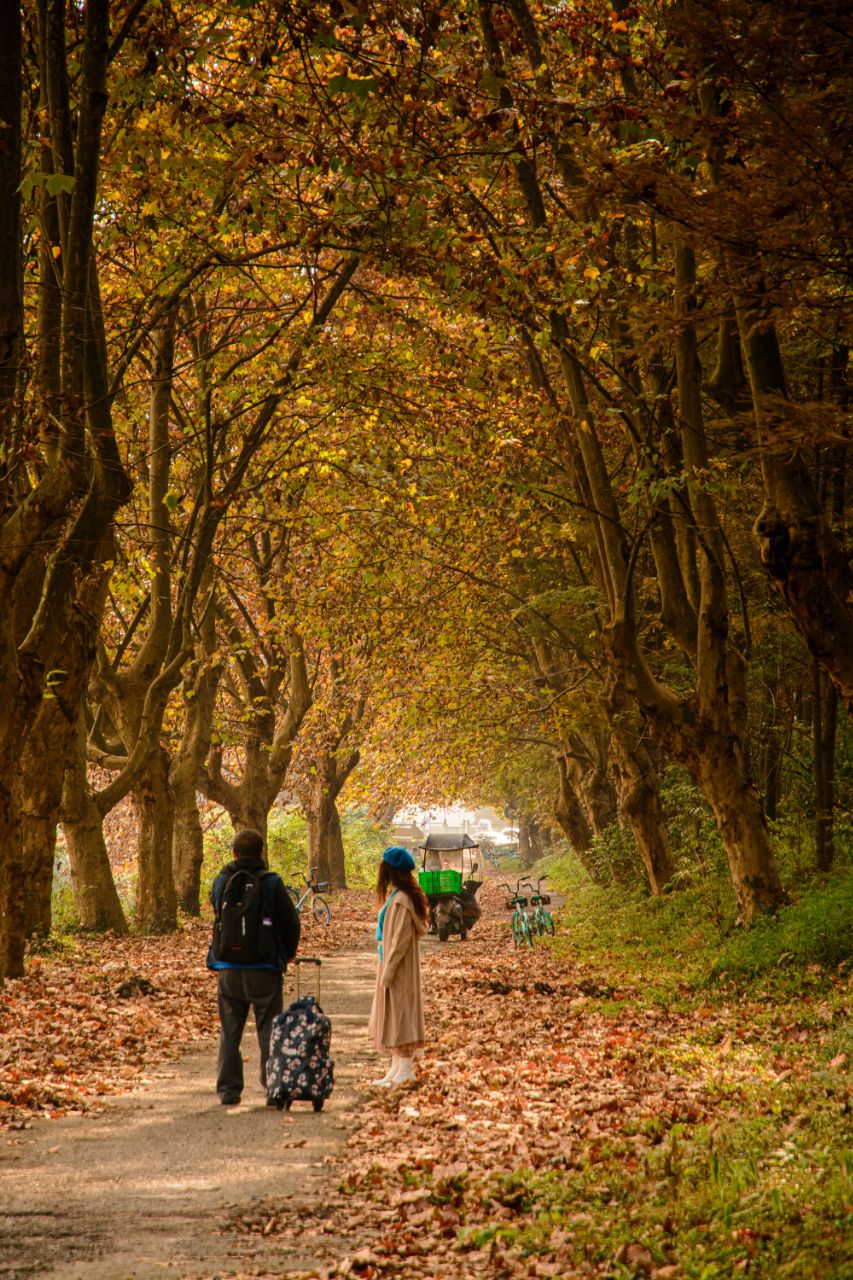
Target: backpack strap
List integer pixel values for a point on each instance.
(263, 877)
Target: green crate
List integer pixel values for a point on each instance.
(440, 881)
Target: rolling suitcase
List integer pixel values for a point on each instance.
(299, 1068)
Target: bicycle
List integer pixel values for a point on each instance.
(522, 930)
(543, 921)
(320, 909)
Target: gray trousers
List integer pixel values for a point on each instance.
(239, 991)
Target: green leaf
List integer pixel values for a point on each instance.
(57, 182)
(355, 85)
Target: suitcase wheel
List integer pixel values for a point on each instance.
(317, 1104)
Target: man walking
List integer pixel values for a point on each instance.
(255, 934)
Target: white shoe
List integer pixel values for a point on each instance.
(405, 1072)
(388, 1079)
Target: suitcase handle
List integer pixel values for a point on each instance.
(297, 965)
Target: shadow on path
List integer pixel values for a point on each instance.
(144, 1188)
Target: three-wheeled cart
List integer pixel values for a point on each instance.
(450, 876)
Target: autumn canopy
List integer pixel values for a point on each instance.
(421, 400)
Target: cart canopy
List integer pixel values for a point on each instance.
(451, 851)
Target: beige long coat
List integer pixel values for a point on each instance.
(397, 1016)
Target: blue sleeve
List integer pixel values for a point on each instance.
(216, 889)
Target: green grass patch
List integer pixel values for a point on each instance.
(816, 930)
(755, 1196)
(673, 941)
(764, 1188)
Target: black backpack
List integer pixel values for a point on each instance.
(244, 929)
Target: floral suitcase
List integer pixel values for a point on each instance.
(299, 1068)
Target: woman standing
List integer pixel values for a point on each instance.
(397, 1016)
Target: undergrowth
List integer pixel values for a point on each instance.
(693, 934)
(287, 848)
(764, 1188)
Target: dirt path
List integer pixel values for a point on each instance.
(142, 1189)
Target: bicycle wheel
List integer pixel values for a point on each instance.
(320, 910)
(547, 923)
(292, 893)
(528, 932)
(517, 930)
(538, 922)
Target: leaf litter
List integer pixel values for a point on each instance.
(537, 1074)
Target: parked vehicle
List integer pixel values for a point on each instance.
(450, 877)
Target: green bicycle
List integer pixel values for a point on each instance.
(522, 928)
(543, 921)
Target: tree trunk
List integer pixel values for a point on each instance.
(12, 912)
(798, 548)
(537, 845)
(95, 894)
(42, 770)
(157, 905)
(824, 727)
(525, 846)
(11, 274)
(720, 772)
(589, 776)
(639, 803)
(325, 843)
(250, 810)
(200, 687)
(572, 821)
(39, 846)
(63, 522)
(335, 840)
(772, 777)
(711, 743)
(383, 814)
(187, 846)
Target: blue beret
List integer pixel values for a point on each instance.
(396, 856)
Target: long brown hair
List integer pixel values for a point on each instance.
(406, 882)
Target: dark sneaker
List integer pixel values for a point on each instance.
(230, 1099)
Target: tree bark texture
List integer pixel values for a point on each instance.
(13, 915)
(39, 848)
(95, 895)
(802, 556)
(11, 272)
(325, 842)
(187, 845)
(638, 787)
(56, 533)
(824, 726)
(157, 904)
(42, 770)
(591, 780)
(719, 770)
(569, 811)
(187, 768)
